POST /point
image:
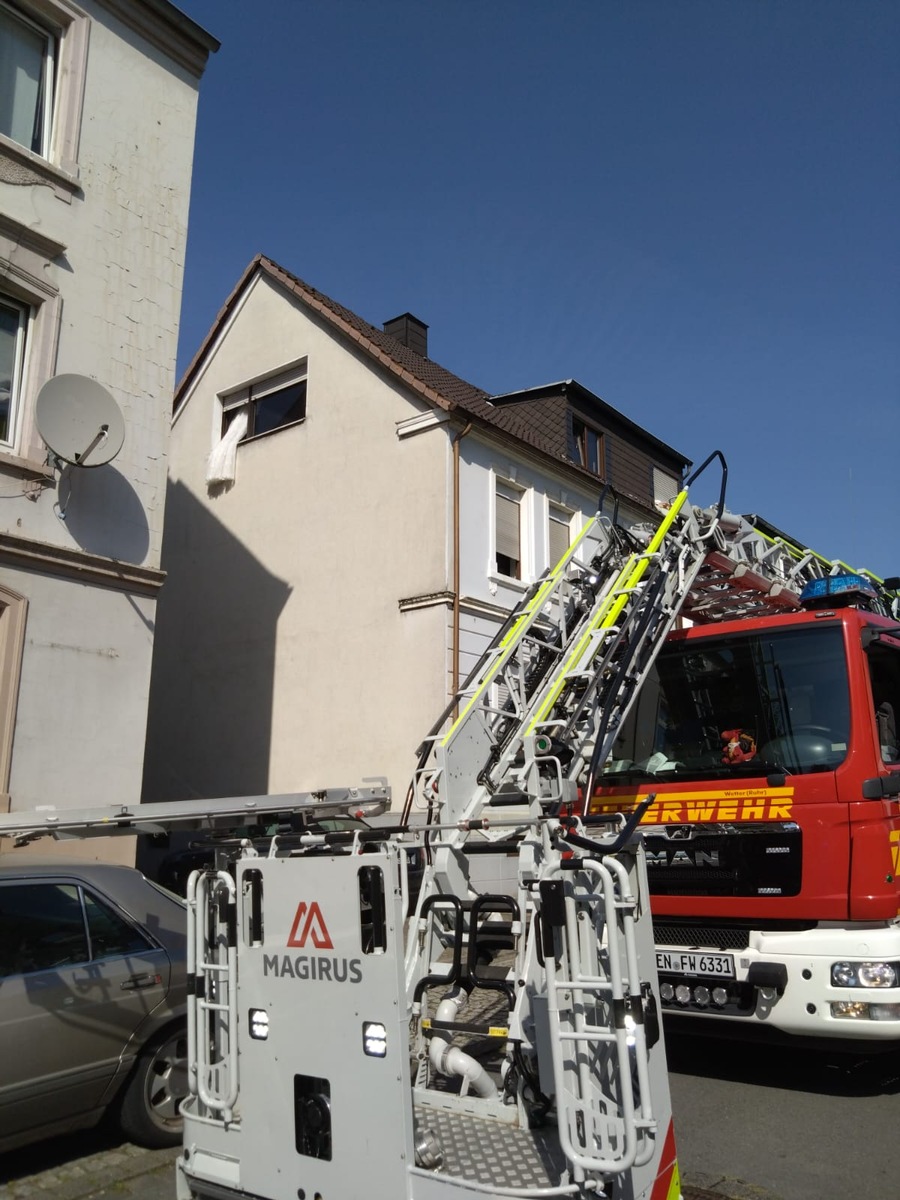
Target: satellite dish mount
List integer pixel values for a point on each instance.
(80, 423)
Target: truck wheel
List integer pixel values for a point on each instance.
(149, 1114)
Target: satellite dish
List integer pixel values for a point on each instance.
(79, 420)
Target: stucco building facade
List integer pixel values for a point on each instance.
(97, 115)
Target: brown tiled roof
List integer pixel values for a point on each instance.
(449, 391)
(539, 423)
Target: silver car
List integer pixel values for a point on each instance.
(92, 1002)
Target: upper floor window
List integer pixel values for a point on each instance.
(560, 532)
(13, 324)
(269, 404)
(665, 487)
(508, 530)
(43, 69)
(27, 68)
(589, 443)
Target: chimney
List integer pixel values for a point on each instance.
(409, 330)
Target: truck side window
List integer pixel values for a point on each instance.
(884, 672)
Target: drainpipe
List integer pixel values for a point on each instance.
(459, 437)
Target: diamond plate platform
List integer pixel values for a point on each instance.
(487, 1152)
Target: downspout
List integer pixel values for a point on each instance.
(456, 655)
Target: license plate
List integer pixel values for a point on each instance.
(693, 962)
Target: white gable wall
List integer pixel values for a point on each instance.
(283, 659)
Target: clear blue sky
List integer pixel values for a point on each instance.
(690, 206)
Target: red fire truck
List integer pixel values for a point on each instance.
(767, 736)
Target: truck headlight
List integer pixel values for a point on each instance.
(877, 974)
(865, 974)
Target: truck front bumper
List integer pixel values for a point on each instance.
(786, 982)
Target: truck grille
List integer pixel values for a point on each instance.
(712, 936)
(751, 858)
(692, 932)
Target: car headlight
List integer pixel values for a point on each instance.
(865, 974)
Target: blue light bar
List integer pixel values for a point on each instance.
(842, 587)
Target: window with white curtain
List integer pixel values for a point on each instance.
(269, 404)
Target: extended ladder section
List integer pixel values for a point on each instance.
(588, 631)
(541, 710)
(749, 572)
(247, 816)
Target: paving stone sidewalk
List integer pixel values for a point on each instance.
(121, 1171)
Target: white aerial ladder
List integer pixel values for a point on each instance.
(502, 1038)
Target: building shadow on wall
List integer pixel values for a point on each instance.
(209, 727)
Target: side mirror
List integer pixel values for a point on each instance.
(882, 787)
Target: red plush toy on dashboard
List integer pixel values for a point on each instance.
(739, 746)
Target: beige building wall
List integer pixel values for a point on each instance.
(92, 244)
(287, 659)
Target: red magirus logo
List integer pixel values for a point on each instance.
(309, 925)
(310, 933)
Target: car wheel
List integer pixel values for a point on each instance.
(149, 1112)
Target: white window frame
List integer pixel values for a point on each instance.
(25, 259)
(247, 394)
(507, 489)
(67, 29)
(17, 369)
(47, 89)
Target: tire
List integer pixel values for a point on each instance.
(148, 1114)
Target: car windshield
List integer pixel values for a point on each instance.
(739, 705)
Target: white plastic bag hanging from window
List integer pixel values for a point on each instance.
(222, 462)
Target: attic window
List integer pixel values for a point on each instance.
(589, 446)
(271, 403)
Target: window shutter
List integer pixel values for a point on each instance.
(507, 523)
(559, 536)
(665, 487)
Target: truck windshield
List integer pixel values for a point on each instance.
(738, 705)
